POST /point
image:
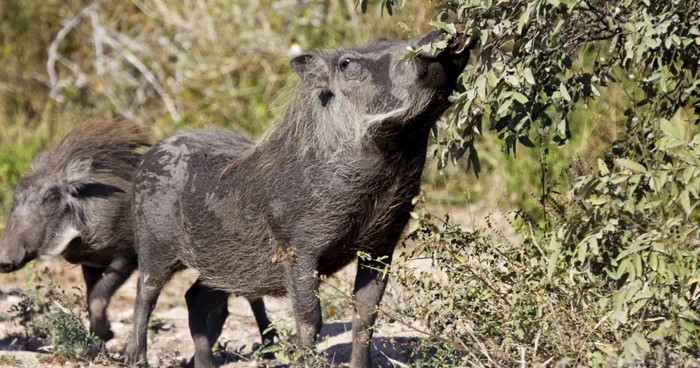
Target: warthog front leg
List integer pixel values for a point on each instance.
(306, 304)
(101, 284)
(370, 283)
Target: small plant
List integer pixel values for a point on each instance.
(335, 303)
(27, 312)
(156, 325)
(49, 313)
(9, 361)
(287, 351)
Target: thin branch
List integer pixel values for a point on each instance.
(459, 345)
(150, 77)
(60, 36)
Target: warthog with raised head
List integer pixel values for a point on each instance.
(334, 176)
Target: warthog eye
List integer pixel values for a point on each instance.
(349, 66)
(52, 197)
(344, 63)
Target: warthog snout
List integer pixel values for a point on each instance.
(456, 47)
(13, 254)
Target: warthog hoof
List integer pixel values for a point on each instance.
(93, 349)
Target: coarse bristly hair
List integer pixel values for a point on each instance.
(343, 127)
(113, 147)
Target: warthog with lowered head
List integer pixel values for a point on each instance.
(76, 203)
(334, 176)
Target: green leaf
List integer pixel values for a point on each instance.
(687, 325)
(623, 267)
(639, 304)
(447, 27)
(658, 334)
(597, 200)
(653, 261)
(582, 249)
(283, 358)
(552, 263)
(558, 26)
(512, 80)
(527, 73)
(525, 141)
(520, 97)
(641, 342)
(492, 79)
(564, 93)
(505, 107)
(484, 36)
(674, 128)
(631, 165)
(684, 198)
(637, 261)
(271, 349)
(474, 162)
(593, 244)
(603, 168)
(525, 17)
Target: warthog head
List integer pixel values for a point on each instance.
(70, 192)
(46, 215)
(376, 89)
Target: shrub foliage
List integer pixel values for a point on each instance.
(609, 273)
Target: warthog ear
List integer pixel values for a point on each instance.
(302, 63)
(79, 169)
(312, 70)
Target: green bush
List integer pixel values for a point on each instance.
(611, 278)
(606, 273)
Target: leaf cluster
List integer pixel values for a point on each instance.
(540, 60)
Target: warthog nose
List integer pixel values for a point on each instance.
(460, 41)
(455, 47)
(6, 267)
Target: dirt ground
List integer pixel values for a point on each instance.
(172, 346)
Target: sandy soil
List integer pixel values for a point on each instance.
(171, 345)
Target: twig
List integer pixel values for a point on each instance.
(60, 36)
(150, 77)
(211, 32)
(97, 42)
